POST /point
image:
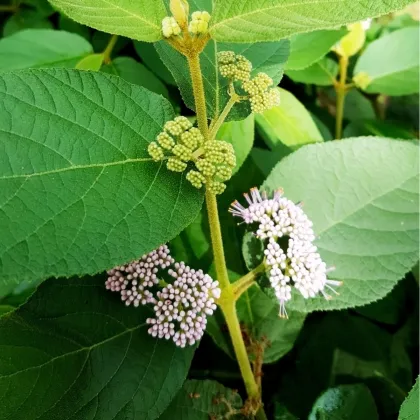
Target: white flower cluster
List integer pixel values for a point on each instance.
(181, 308)
(170, 27)
(299, 265)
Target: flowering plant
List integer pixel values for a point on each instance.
(135, 282)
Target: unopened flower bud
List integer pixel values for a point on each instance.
(155, 151)
(166, 141)
(182, 152)
(180, 11)
(176, 165)
(216, 187)
(196, 179)
(205, 167)
(199, 23)
(170, 27)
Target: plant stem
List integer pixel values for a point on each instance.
(199, 96)
(222, 117)
(244, 283)
(10, 8)
(108, 50)
(341, 90)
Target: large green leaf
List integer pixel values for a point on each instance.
(306, 49)
(25, 19)
(362, 196)
(78, 191)
(321, 73)
(349, 402)
(202, 400)
(267, 57)
(75, 351)
(134, 72)
(390, 65)
(410, 407)
(268, 20)
(289, 124)
(140, 19)
(42, 48)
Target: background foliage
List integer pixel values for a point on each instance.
(78, 194)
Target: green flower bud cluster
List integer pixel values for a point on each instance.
(199, 23)
(233, 66)
(213, 160)
(170, 27)
(261, 95)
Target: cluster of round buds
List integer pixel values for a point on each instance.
(170, 27)
(199, 23)
(299, 265)
(182, 308)
(234, 66)
(181, 143)
(261, 95)
(134, 280)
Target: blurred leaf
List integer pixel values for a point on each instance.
(59, 187)
(366, 220)
(322, 127)
(345, 402)
(151, 59)
(25, 19)
(410, 407)
(241, 135)
(66, 24)
(404, 109)
(266, 160)
(79, 337)
(250, 20)
(267, 57)
(42, 6)
(321, 73)
(4, 309)
(377, 128)
(91, 62)
(100, 41)
(203, 400)
(252, 250)
(140, 20)
(308, 48)
(353, 42)
(134, 72)
(33, 48)
(357, 107)
(289, 124)
(390, 65)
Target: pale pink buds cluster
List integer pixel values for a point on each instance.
(181, 308)
(291, 257)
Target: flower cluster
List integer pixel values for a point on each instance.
(199, 23)
(181, 143)
(173, 25)
(261, 93)
(298, 264)
(134, 280)
(170, 27)
(180, 308)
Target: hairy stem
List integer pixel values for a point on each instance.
(199, 96)
(244, 283)
(108, 50)
(341, 90)
(222, 117)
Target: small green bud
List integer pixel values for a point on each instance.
(155, 152)
(166, 141)
(182, 152)
(205, 167)
(216, 187)
(173, 128)
(226, 57)
(192, 138)
(223, 173)
(176, 165)
(183, 122)
(196, 179)
(232, 66)
(199, 23)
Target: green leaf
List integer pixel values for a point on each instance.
(378, 128)
(289, 124)
(4, 309)
(79, 194)
(134, 72)
(268, 57)
(390, 65)
(202, 400)
(266, 160)
(91, 62)
(306, 49)
(410, 407)
(252, 21)
(151, 59)
(66, 24)
(357, 106)
(321, 73)
(75, 350)
(140, 19)
(25, 19)
(241, 135)
(42, 48)
(365, 212)
(345, 402)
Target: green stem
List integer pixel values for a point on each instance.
(341, 90)
(199, 96)
(244, 283)
(10, 8)
(108, 50)
(222, 117)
